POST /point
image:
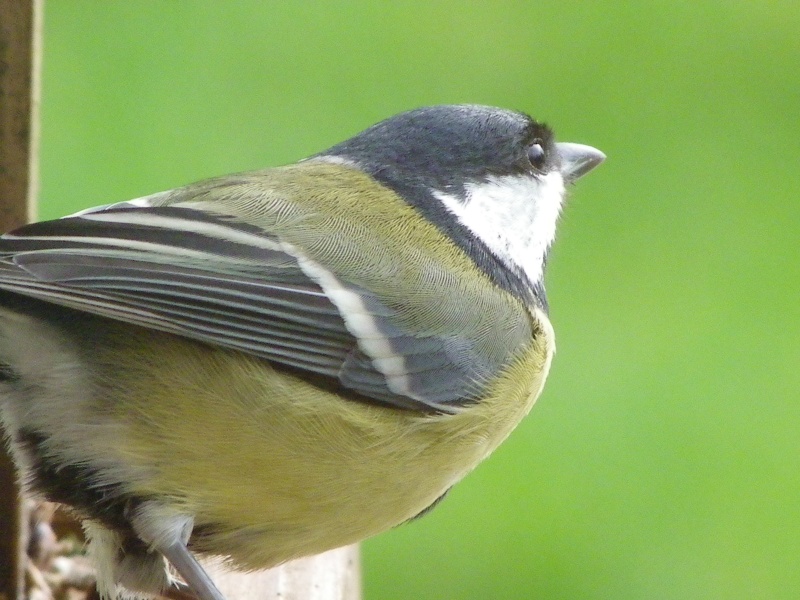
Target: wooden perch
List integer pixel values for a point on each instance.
(334, 575)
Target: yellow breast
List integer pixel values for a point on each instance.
(281, 469)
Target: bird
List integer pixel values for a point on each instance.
(270, 364)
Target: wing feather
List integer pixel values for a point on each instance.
(219, 280)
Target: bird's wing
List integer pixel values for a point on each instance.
(221, 280)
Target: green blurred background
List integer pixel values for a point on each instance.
(662, 460)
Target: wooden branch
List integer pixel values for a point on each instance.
(20, 60)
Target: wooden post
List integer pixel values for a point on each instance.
(334, 575)
(20, 60)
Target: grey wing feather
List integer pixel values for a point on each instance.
(226, 283)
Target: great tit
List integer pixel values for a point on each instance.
(271, 364)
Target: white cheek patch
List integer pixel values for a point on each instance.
(514, 215)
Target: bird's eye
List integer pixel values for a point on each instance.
(536, 155)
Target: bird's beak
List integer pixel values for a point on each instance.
(578, 159)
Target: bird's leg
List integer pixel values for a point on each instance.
(192, 572)
(167, 531)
